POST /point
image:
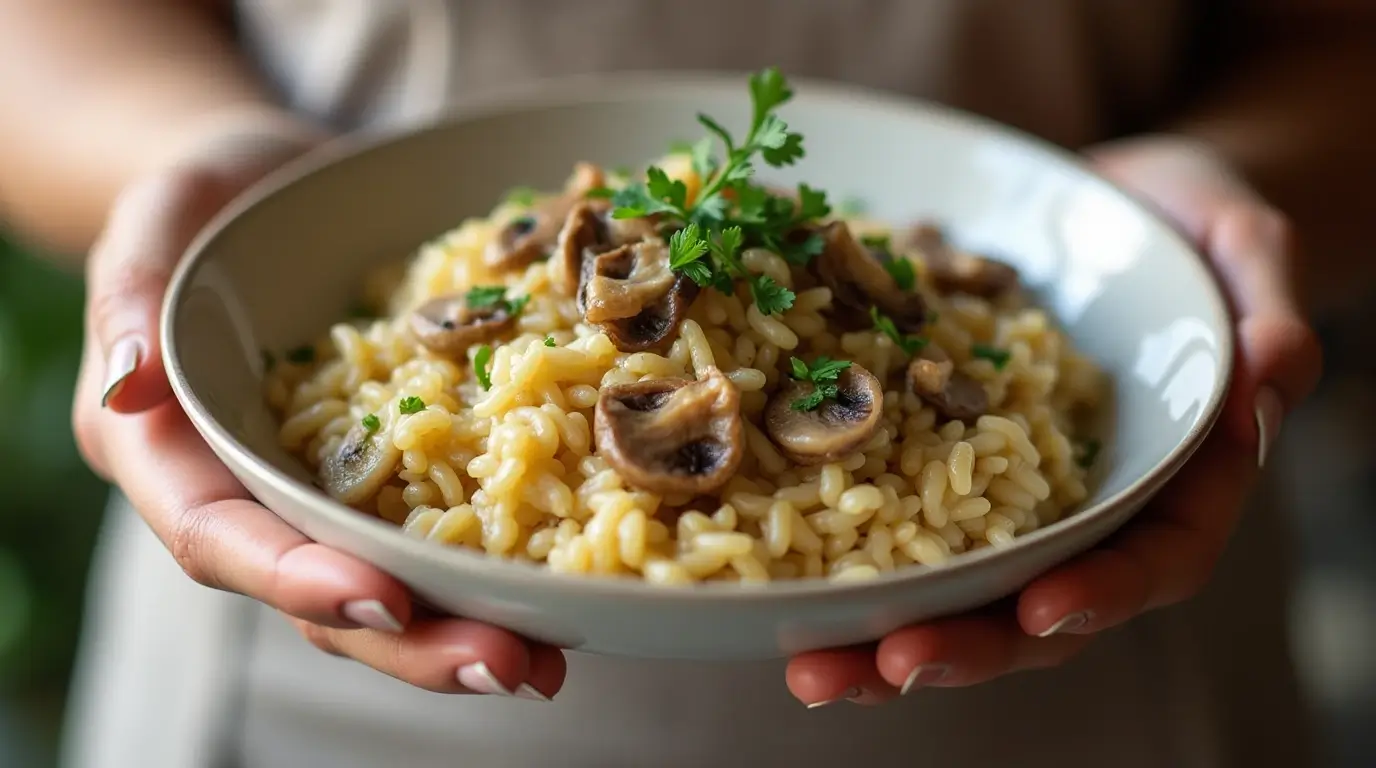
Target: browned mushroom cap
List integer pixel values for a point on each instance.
(672, 436)
(588, 230)
(623, 282)
(858, 281)
(954, 271)
(449, 326)
(836, 428)
(654, 326)
(361, 465)
(532, 235)
(953, 394)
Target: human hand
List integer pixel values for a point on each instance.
(1167, 553)
(134, 433)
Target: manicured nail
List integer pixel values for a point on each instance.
(924, 675)
(1069, 623)
(1270, 412)
(119, 364)
(371, 614)
(478, 678)
(528, 691)
(849, 693)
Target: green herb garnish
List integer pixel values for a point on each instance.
(549, 341)
(730, 212)
(410, 405)
(303, 355)
(999, 357)
(1089, 451)
(885, 325)
(522, 196)
(484, 296)
(882, 243)
(901, 270)
(480, 362)
(372, 423)
(823, 374)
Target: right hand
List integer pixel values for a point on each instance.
(134, 433)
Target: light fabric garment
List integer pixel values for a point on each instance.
(175, 676)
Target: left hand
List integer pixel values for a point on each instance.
(1168, 552)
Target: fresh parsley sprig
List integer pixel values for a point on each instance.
(898, 267)
(885, 325)
(999, 357)
(410, 405)
(371, 423)
(823, 374)
(704, 248)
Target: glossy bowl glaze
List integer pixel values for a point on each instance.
(287, 259)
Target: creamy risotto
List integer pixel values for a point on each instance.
(682, 375)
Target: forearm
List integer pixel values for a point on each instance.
(1296, 117)
(98, 93)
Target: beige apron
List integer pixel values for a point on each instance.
(177, 677)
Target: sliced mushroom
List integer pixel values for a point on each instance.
(654, 326)
(858, 281)
(621, 283)
(362, 464)
(672, 436)
(588, 230)
(953, 394)
(449, 326)
(955, 271)
(533, 235)
(836, 428)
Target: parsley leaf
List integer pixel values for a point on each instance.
(686, 246)
(823, 374)
(768, 91)
(770, 297)
(704, 164)
(303, 355)
(522, 196)
(372, 423)
(485, 296)
(812, 203)
(877, 242)
(480, 363)
(901, 270)
(999, 357)
(600, 193)
(802, 253)
(719, 131)
(1089, 451)
(882, 323)
(410, 405)
(549, 341)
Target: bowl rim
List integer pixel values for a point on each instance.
(629, 86)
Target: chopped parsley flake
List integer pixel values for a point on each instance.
(372, 423)
(481, 360)
(522, 196)
(823, 374)
(884, 324)
(877, 242)
(484, 296)
(549, 341)
(901, 270)
(1089, 451)
(999, 357)
(410, 405)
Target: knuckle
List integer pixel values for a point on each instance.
(320, 637)
(1248, 230)
(187, 543)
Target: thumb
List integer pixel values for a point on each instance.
(150, 225)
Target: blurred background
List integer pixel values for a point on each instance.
(52, 505)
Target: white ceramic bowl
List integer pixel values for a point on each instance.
(287, 259)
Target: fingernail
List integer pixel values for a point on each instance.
(371, 614)
(849, 693)
(1270, 412)
(478, 678)
(924, 675)
(1071, 622)
(528, 691)
(119, 364)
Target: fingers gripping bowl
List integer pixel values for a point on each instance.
(822, 426)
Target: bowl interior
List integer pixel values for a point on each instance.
(287, 261)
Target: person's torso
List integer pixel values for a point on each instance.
(1072, 71)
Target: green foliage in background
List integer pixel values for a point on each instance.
(50, 503)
